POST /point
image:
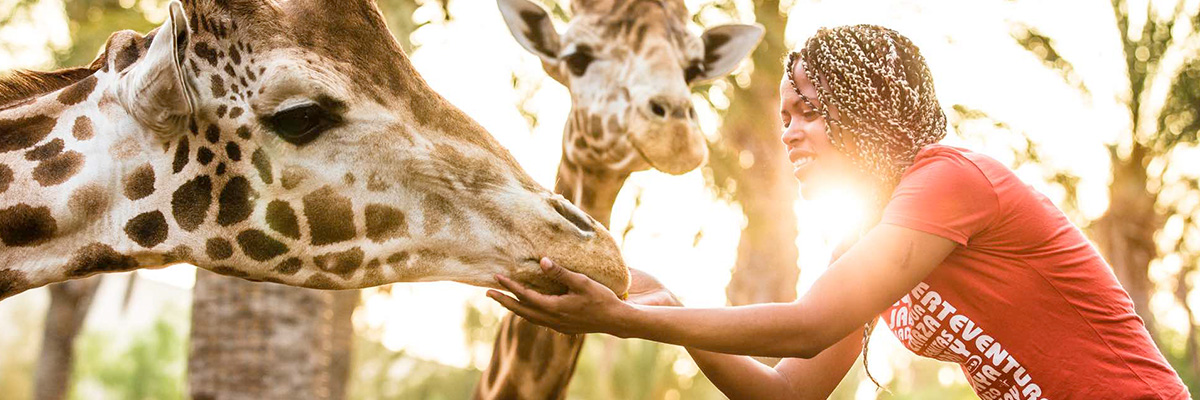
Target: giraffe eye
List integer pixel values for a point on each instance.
(578, 62)
(301, 124)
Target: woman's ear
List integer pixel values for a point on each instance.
(157, 91)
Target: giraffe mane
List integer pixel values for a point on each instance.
(20, 85)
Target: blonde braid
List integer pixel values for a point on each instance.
(878, 81)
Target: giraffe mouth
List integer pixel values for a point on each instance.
(674, 159)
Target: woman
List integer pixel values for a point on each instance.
(964, 263)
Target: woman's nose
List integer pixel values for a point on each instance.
(791, 134)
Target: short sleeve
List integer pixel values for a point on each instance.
(945, 194)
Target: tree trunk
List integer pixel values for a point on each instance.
(259, 340)
(344, 303)
(765, 270)
(69, 305)
(1125, 233)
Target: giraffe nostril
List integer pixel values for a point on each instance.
(692, 112)
(573, 215)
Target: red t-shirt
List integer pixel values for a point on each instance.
(1025, 305)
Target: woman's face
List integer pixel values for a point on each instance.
(815, 162)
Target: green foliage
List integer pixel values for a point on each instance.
(151, 366)
(1044, 48)
(93, 21)
(612, 368)
(19, 344)
(1179, 119)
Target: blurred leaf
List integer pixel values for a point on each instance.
(1179, 119)
(1044, 48)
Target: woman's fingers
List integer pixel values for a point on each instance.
(523, 293)
(577, 282)
(518, 308)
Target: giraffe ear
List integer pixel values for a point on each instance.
(157, 90)
(725, 46)
(532, 28)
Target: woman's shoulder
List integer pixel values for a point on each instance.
(940, 159)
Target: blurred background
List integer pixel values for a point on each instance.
(1096, 104)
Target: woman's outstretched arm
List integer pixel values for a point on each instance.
(886, 263)
(742, 377)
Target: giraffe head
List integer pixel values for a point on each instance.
(290, 142)
(629, 65)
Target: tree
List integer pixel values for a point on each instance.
(1146, 194)
(750, 155)
(69, 304)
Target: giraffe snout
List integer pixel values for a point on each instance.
(669, 107)
(574, 215)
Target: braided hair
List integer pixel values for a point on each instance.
(883, 92)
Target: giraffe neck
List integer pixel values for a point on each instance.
(593, 190)
(71, 166)
(534, 362)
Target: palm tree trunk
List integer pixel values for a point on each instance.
(765, 270)
(69, 305)
(259, 340)
(1125, 233)
(344, 303)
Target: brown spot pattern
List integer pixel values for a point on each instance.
(77, 92)
(12, 281)
(190, 202)
(384, 222)
(148, 229)
(96, 258)
(233, 151)
(258, 246)
(58, 169)
(318, 281)
(181, 156)
(213, 134)
(330, 216)
(343, 263)
(230, 271)
(204, 156)
(234, 202)
(207, 53)
(23, 225)
(289, 266)
(128, 55)
(218, 87)
(89, 202)
(218, 249)
(263, 165)
(281, 218)
(83, 129)
(436, 209)
(6, 177)
(45, 151)
(140, 182)
(293, 177)
(21, 133)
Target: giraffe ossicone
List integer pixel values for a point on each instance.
(289, 142)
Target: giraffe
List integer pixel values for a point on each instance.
(287, 142)
(629, 66)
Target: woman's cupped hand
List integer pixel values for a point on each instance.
(587, 307)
